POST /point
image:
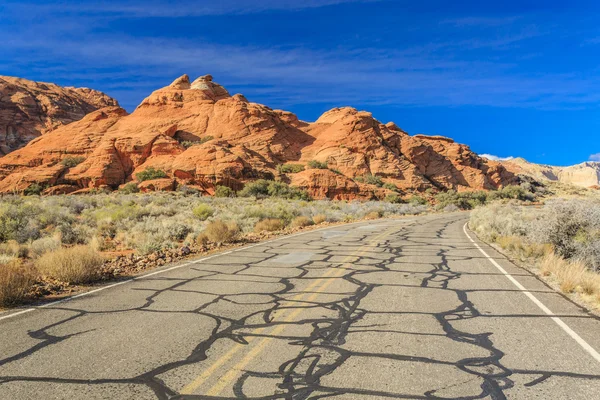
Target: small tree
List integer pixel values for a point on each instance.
(149, 174)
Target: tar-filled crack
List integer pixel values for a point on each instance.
(320, 351)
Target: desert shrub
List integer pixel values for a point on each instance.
(374, 215)
(71, 161)
(16, 281)
(390, 186)
(370, 180)
(79, 264)
(263, 188)
(516, 192)
(451, 208)
(20, 222)
(40, 246)
(150, 243)
(129, 188)
(394, 198)
(498, 220)
(301, 221)
(572, 227)
(220, 232)
(70, 233)
(462, 200)
(314, 164)
(189, 143)
(418, 200)
(258, 188)
(203, 212)
(284, 191)
(224, 191)
(290, 168)
(188, 191)
(269, 225)
(174, 230)
(35, 189)
(149, 174)
(319, 218)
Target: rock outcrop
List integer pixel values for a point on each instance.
(201, 136)
(30, 109)
(586, 174)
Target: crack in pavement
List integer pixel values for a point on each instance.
(245, 309)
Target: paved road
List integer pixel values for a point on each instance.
(387, 309)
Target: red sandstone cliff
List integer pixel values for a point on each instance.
(239, 141)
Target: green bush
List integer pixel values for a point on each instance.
(418, 200)
(149, 174)
(314, 164)
(71, 162)
(224, 191)
(129, 188)
(394, 199)
(189, 143)
(370, 180)
(203, 212)
(263, 188)
(259, 188)
(35, 189)
(290, 168)
(390, 186)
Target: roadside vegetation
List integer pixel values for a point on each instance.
(561, 239)
(60, 241)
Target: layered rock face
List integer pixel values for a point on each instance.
(201, 136)
(29, 109)
(586, 174)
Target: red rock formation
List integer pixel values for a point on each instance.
(201, 136)
(29, 109)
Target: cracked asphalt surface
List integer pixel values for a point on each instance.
(405, 308)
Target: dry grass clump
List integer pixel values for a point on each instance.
(15, 282)
(301, 221)
(522, 248)
(563, 238)
(571, 276)
(269, 225)
(319, 219)
(220, 232)
(373, 215)
(79, 264)
(14, 249)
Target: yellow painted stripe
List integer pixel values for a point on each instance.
(189, 389)
(230, 376)
(227, 378)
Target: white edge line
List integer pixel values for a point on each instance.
(162, 271)
(586, 346)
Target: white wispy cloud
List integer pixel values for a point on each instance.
(435, 73)
(481, 21)
(595, 157)
(496, 158)
(166, 9)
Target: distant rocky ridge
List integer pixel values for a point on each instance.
(586, 174)
(30, 109)
(201, 137)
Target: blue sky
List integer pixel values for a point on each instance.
(514, 78)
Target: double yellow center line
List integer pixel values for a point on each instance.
(283, 317)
